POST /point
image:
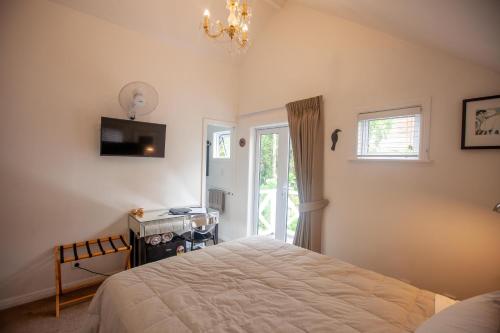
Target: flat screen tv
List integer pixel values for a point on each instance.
(121, 137)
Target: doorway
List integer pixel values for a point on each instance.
(276, 198)
(218, 160)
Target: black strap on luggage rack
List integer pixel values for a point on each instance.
(100, 247)
(112, 244)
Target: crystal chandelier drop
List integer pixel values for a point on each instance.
(237, 24)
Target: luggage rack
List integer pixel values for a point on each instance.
(91, 248)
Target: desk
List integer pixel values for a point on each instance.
(155, 222)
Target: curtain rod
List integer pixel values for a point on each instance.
(272, 109)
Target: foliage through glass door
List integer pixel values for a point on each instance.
(276, 211)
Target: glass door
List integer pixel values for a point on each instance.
(275, 197)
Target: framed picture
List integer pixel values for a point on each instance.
(481, 123)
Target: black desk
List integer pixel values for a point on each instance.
(157, 222)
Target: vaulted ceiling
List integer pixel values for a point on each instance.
(469, 29)
(172, 21)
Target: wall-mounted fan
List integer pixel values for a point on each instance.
(138, 99)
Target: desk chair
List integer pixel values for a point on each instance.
(201, 232)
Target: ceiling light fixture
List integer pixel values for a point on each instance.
(237, 23)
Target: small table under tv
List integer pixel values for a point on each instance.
(158, 222)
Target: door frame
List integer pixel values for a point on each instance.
(281, 219)
(206, 122)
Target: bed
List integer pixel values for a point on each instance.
(256, 285)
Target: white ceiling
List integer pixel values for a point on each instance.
(469, 29)
(173, 21)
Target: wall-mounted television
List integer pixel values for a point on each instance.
(120, 137)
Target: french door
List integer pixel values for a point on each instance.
(275, 198)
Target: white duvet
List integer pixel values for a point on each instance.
(256, 285)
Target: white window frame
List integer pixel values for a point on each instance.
(282, 188)
(400, 109)
(216, 136)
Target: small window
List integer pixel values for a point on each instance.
(395, 134)
(222, 144)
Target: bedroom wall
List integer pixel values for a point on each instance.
(427, 223)
(60, 71)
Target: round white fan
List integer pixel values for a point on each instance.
(138, 99)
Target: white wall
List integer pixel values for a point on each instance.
(430, 224)
(60, 71)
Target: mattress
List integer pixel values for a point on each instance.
(256, 285)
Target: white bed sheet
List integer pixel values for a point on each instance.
(256, 285)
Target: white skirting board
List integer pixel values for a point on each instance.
(44, 293)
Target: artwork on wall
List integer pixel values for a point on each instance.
(481, 123)
(335, 138)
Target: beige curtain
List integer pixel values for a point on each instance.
(306, 132)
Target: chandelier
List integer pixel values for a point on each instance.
(237, 23)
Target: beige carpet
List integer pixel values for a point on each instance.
(40, 317)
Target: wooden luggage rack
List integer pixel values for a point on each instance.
(91, 248)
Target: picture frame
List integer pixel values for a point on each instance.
(481, 123)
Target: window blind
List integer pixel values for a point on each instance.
(390, 134)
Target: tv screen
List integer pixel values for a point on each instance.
(121, 137)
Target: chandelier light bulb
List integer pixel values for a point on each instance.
(244, 33)
(237, 24)
(232, 19)
(206, 18)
